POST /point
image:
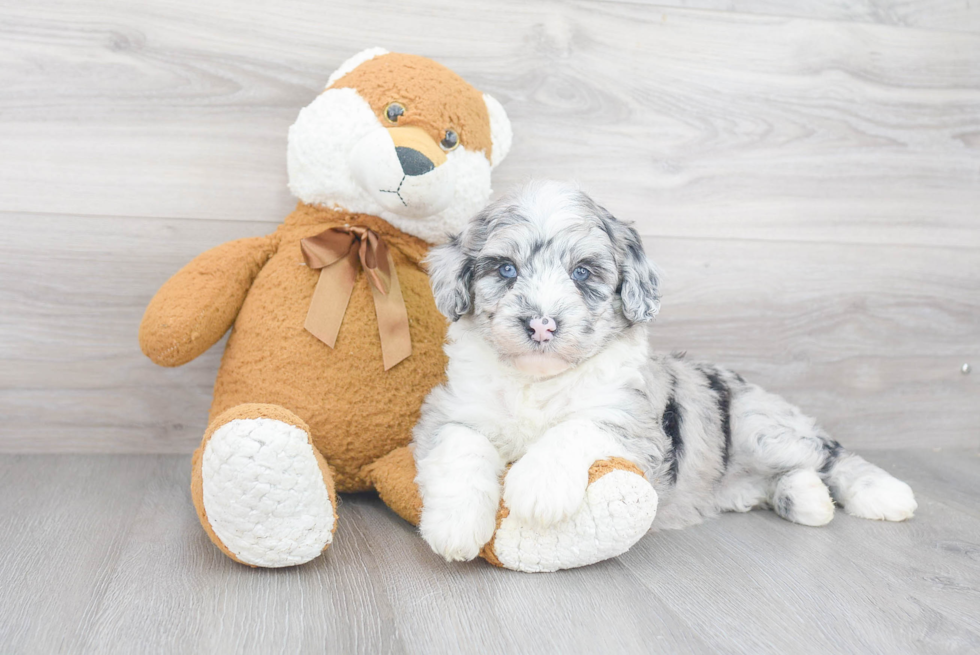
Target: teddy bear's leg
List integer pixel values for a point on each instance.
(263, 493)
(393, 477)
(618, 510)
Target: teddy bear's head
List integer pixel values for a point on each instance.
(400, 137)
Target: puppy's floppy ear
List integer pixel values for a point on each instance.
(451, 277)
(640, 280)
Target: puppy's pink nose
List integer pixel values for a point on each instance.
(542, 328)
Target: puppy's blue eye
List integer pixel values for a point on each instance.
(581, 274)
(507, 270)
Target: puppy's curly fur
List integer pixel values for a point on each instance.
(551, 402)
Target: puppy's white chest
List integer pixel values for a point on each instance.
(526, 413)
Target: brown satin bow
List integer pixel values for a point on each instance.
(336, 253)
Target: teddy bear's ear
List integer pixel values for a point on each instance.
(354, 62)
(500, 132)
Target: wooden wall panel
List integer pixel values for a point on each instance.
(949, 15)
(702, 123)
(807, 176)
(867, 338)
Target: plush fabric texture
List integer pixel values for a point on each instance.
(195, 307)
(615, 516)
(279, 389)
(617, 511)
(245, 412)
(408, 79)
(264, 492)
(340, 154)
(356, 411)
(394, 477)
(590, 531)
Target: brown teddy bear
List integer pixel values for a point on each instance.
(336, 337)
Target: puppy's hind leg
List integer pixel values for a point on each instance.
(774, 439)
(780, 450)
(863, 489)
(801, 497)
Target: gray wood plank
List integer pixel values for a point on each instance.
(200, 601)
(700, 123)
(66, 522)
(862, 586)
(867, 338)
(603, 601)
(952, 15)
(379, 588)
(104, 554)
(956, 474)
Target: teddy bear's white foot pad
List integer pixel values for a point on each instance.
(618, 510)
(264, 493)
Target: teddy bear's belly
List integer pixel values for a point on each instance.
(357, 411)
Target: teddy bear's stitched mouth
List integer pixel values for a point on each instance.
(397, 190)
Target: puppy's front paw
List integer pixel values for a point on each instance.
(457, 534)
(542, 491)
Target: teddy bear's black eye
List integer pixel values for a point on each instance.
(393, 111)
(450, 141)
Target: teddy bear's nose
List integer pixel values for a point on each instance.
(413, 162)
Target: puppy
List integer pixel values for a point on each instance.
(550, 369)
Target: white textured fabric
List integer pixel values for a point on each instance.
(501, 133)
(375, 166)
(338, 128)
(619, 509)
(264, 494)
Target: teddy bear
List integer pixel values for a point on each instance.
(335, 337)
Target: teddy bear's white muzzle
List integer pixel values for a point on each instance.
(401, 179)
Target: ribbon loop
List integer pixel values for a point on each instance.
(338, 253)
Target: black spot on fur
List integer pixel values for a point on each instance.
(671, 422)
(485, 266)
(538, 246)
(724, 395)
(593, 295)
(831, 453)
(784, 506)
(633, 246)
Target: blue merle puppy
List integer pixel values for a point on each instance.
(550, 369)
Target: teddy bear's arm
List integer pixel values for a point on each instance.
(194, 308)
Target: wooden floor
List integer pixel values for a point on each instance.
(104, 554)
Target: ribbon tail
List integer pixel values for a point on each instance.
(396, 341)
(330, 299)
